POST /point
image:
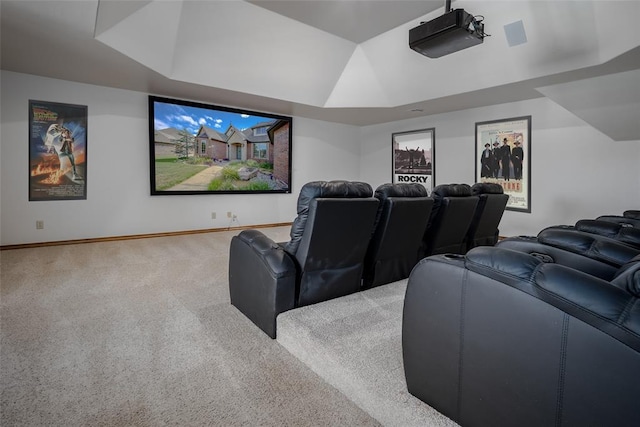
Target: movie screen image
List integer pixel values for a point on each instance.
(198, 148)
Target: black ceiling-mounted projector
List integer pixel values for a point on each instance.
(451, 32)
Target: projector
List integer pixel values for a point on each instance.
(451, 32)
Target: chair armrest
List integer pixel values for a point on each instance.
(594, 246)
(262, 279)
(560, 255)
(620, 232)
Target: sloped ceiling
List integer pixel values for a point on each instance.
(343, 61)
(610, 103)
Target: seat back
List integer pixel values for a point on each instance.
(617, 231)
(450, 218)
(635, 214)
(625, 220)
(492, 202)
(330, 237)
(401, 220)
(594, 254)
(502, 338)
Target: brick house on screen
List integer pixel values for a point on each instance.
(267, 141)
(210, 143)
(235, 144)
(279, 137)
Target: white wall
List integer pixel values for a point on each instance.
(576, 171)
(118, 196)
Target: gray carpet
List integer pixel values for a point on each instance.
(354, 343)
(141, 333)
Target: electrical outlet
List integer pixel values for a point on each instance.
(39, 225)
(229, 214)
(213, 215)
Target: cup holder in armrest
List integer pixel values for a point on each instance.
(543, 257)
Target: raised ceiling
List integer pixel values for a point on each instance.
(342, 61)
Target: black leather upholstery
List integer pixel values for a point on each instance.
(634, 214)
(450, 218)
(628, 221)
(323, 260)
(616, 231)
(401, 220)
(321, 189)
(492, 202)
(501, 338)
(262, 279)
(594, 254)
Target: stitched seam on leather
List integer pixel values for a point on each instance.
(530, 279)
(554, 295)
(600, 255)
(627, 311)
(463, 299)
(581, 308)
(562, 373)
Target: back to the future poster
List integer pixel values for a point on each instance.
(57, 151)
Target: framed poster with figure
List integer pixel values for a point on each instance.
(57, 151)
(503, 156)
(413, 154)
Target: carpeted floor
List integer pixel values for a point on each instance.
(141, 333)
(355, 344)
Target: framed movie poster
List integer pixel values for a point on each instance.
(414, 156)
(57, 151)
(503, 156)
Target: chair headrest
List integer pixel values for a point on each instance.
(452, 190)
(400, 190)
(329, 189)
(486, 188)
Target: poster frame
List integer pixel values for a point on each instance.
(424, 172)
(57, 151)
(516, 131)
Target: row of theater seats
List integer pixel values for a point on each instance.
(534, 331)
(410, 225)
(346, 238)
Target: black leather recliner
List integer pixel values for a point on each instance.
(450, 218)
(616, 231)
(401, 220)
(613, 230)
(635, 214)
(628, 221)
(501, 338)
(323, 260)
(594, 254)
(492, 202)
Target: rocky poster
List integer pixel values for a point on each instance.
(413, 157)
(57, 151)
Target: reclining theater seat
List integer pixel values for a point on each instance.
(401, 220)
(628, 221)
(594, 254)
(450, 218)
(323, 260)
(492, 202)
(634, 214)
(627, 235)
(501, 338)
